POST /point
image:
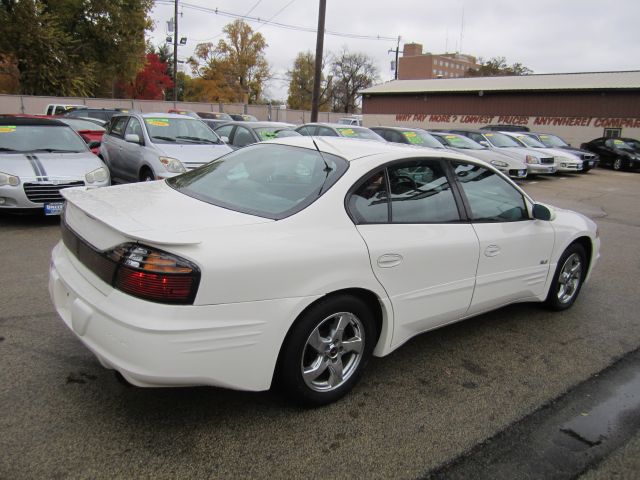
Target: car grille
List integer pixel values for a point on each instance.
(546, 160)
(47, 192)
(587, 157)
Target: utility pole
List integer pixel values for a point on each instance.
(175, 52)
(397, 50)
(317, 77)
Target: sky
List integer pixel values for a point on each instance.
(546, 36)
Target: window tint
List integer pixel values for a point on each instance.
(326, 132)
(420, 193)
(491, 198)
(117, 126)
(369, 204)
(243, 137)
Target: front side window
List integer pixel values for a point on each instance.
(306, 130)
(326, 132)
(490, 197)
(369, 202)
(243, 137)
(134, 127)
(117, 126)
(224, 131)
(268, 180)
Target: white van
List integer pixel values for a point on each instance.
(60, 109)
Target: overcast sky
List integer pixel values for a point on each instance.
(546, 36)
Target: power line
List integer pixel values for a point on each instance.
(271, 23)
(275, 15)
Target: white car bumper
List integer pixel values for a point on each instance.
(155, 345)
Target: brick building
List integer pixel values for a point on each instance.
(415, 65)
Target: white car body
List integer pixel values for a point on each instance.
(565, 161)
(259, 275)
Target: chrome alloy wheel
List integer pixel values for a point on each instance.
(569, 278)
(333, 352)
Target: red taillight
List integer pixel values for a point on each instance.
(160, 287)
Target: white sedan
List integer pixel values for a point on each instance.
(291, 262)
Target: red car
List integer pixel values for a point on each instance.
(90, 132)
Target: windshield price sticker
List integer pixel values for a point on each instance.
(348, 132)
(413, 138)
(267, 135)
(158, 122)
(7, 128)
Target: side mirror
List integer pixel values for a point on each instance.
(225, 139)
(132, 138)
(94, 144)
(542, 212)
(484, 143)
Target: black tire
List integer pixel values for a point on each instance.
(557, 298)
(618, 164)
(297, 351)
(146, 175)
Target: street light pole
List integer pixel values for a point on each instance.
(175, 52)
(317, 77)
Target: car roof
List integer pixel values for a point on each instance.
(399, 129)
(352, 148)
(259, 124)
(332, 125)
(162, 115)
(32, 121)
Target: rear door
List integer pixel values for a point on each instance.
(422, 250)
(515, 249)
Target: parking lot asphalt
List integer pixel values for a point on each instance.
(441, 394)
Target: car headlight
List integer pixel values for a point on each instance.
(532, 159)
(172, 165)
(6, 179)
(499, 163)
(97, 175)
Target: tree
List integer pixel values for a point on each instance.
(9, 75)
(351, 73)
(152, 82)
(301, 84)
(497, 67)
(235, 66)
(74, 47)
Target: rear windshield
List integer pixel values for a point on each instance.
(358, 132)
(268, 180)
(40, 138)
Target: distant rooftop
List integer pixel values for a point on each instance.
(554, 81)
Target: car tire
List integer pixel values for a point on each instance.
(326, 350)
(146, 175)
(568, 278)
(618, 164)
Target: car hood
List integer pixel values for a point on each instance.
(490, 154)
(52, 166)
(193, 153)
(152, 212)
(578, 151)
(558, 152)
(521, 152)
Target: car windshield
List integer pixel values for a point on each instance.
(530, 141)
(358, 132)
(619, 144)
(501, 140)
(552, 141)
(40, 138)
(458, 141)
(267, 180)
(267, 133)
(78, 124)
(420, 138)
(179, 131)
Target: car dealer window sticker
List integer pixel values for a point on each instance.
(7, 128)
(456, 141)
(348, 132)
(266, 134)
(157, 122)
(413, 138)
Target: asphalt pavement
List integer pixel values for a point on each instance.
(426, 405)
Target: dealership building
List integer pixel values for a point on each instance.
(576, 106)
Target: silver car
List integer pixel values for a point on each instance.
(38, 158)
(565, 160)
(151, 146)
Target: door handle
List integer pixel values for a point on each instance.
(491, 251)
(389, 260)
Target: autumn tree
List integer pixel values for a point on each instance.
(301, 78)
(351, 73)
(235, 65)
(497, 67)
(9, 75)
(152, 81)
(74, 47)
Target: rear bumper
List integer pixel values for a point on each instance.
(153, 345)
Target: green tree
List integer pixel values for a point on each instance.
(351, 73)
(74, 47)
(301, 78)
(497, 67)
(236, 64)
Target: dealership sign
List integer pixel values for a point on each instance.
(598, 122)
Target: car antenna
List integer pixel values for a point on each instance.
(327, 168)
